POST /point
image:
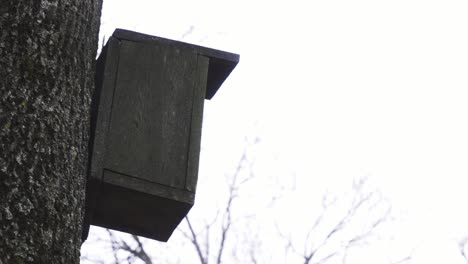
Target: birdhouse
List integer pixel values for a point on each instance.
(146, 129)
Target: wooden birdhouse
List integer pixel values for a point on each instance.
(146, 129)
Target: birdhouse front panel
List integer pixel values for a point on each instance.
(150, 126)
(146, 131)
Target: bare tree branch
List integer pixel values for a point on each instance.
(134, 252)
(289, 244)
(114, 245)
(329, 256)
(341, 237)
(194, 239)
(207, 236)
(462, 244)
(202, 240)
(403, 260)
(227, 218)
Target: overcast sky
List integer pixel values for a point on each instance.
(337, 90)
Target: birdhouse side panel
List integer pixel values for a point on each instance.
(197, 120)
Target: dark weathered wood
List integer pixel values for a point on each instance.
(145, 213)
(147, 129)
(221, 63)
(151, 188)
(47, 55)
(196, 123)
(150, 123)
(106, 75)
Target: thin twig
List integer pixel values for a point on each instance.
(462, 246)
(194, 239)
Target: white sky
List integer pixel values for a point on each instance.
(337, 90)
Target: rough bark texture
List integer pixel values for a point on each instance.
(47, 52)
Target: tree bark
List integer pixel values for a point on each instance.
(47, 54)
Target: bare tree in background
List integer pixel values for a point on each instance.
(357, 224)
(123, 250)
(337, 229)
(201, 237)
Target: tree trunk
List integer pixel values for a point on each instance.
(47, 54)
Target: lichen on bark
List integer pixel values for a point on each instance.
(47, 51)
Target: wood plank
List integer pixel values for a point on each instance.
(151, 188)
(150, 123)
(138, 213)
(196, 123)
(107, 68)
